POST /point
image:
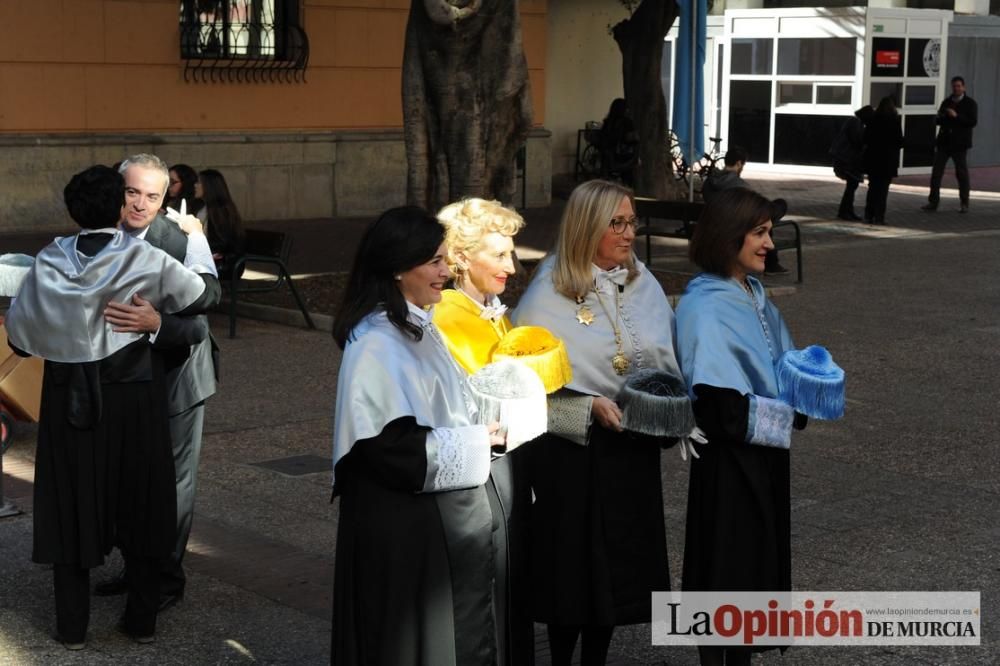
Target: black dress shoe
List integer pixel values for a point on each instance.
(169, 600)
(849, 217)
(776, 269)
(112, 587)
(929, 207)
(72, 645)
(142, 640)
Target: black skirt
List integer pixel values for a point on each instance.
(110, 484)
(738, 519)
(598, 545)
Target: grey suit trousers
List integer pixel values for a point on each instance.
(185, 437)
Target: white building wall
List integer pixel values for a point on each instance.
(583, 72)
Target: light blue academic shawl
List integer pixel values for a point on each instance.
(727, 339)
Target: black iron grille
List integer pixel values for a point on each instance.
(243, 40)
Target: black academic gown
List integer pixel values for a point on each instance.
(738, 535)
(598, 544)
(413, 581)
(104, 473)
(510, 501)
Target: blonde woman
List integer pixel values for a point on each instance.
(598, 546)
(479, 237)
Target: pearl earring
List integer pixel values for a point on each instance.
(399, 277)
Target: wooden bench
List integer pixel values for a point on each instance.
(677, 219)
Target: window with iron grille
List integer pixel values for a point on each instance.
(243, 40)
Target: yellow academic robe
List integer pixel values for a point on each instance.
(470, 338)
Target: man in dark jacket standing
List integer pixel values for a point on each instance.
(956, 118)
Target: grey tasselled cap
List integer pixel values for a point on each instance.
(656, 403)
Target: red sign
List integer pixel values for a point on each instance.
(887, 58)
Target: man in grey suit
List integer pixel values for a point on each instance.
(186, 342)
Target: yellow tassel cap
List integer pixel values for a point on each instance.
(541, 351)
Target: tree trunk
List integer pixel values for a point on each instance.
(466, 100)
(640, 40)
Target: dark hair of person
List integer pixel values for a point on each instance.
(188, 177)
(887, 107)
(958, 78)
(400, 239)
(723, 225)
(734, 155)
(617, 110)
(225, 226)
(95, 196)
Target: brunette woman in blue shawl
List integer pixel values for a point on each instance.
(729, 337)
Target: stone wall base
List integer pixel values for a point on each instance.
(272, 176)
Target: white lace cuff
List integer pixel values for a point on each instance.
(569, 416)
(457, 458)
(769, 422)
(199, 255)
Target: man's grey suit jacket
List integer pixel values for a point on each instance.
(193, 379)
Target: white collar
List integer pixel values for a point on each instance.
(617, 275)
(492, 312)
(138, 235)
(105, 230)
(421, 315)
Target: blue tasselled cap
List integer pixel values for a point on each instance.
(811, 382)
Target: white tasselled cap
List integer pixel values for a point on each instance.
(513, 395)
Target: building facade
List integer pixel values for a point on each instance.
(297, 102)
(780, 77)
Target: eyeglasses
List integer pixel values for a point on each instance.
(618, 224)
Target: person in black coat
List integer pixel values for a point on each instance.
(848, 153)
(619, 144)
(955, 119)
(883, 140)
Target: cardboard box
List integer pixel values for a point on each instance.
(20, 382)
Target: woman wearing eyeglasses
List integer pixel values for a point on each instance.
(598, 544)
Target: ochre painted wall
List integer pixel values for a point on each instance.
(114, 65)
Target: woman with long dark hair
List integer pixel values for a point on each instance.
(414, 566)
(181, 187)
(619, 143)
(729, 338)
(224, 224)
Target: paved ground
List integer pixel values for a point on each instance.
(900, 495)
